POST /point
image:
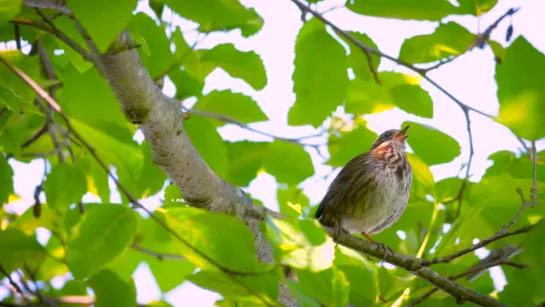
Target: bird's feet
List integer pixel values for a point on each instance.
(387, 250)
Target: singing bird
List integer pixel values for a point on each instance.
(371, 191)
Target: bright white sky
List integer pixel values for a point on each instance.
(469, 78)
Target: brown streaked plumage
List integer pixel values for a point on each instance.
(371, 191)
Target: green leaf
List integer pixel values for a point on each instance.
(245, 160)
(423, 182)
(23, 250)
(447, 189)
(367, 97)
(498, 50)
(358, 61)
(224, 239)
(476, 7)
(9, 80)
(186, 84)
(112, 291)
(160, 58)
(173, 196)
(89, 98)
(320, 78)
(103, 19)
(506, 162)
(450, 39)
(67, 26)
(214, 15)
(64, 185)
(247, 66)
(292, 201)
(9, 9)
(97, 178)
(209, 144)
(413, 99)
(329, 286)
(349, 144)
(444, 149)
(102, 234)
(6, 177)
(301, 244)
(522, 99)
(288, 162)
(234, 105)
(420, 9)
(259, 289)
(359, 272)
(169, 273)
(49, 219)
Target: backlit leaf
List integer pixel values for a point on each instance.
(112, 291)
(245, 160)
(6, 177)
(287, 162)
(64, 186)
(400, 9)
(234, 105)
(320, 78)
(102, 234)
(522, 99)
(430, 144)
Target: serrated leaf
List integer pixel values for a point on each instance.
(287, 162)
(23, 250)
(64, 185)
(450, 39)
(349, 145)
(235, 105)
(224, 240)
(413, 99)
(112, 291)
(421, 137)
(212, 15)
(400, 9)
(209, 144)
(247, 66)
(102, 234)
(6, 177)
(522, 99)
(245, 160)
(93, 16)
(320, 78)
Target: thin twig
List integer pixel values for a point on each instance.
(60, 35)
(479, 40)
(466, 273)
(159, 256)
(41, 92)
(180, 61)
(15, 285)
(483, 243)
(228, 119)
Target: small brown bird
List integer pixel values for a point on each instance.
(371, 192)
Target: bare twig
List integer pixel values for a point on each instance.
(15, 285)
(159, 256)
(482, 243)
(480, 39)
(230, 120)
(525, 203)
(41, 92)
(466, 273)
(60, 35)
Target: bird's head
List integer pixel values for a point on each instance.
(396, 135)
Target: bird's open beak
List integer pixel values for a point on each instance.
(402, 134)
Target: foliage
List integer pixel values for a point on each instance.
(98, 245)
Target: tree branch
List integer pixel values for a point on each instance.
(414, 265)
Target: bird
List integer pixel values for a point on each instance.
(371, 191)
